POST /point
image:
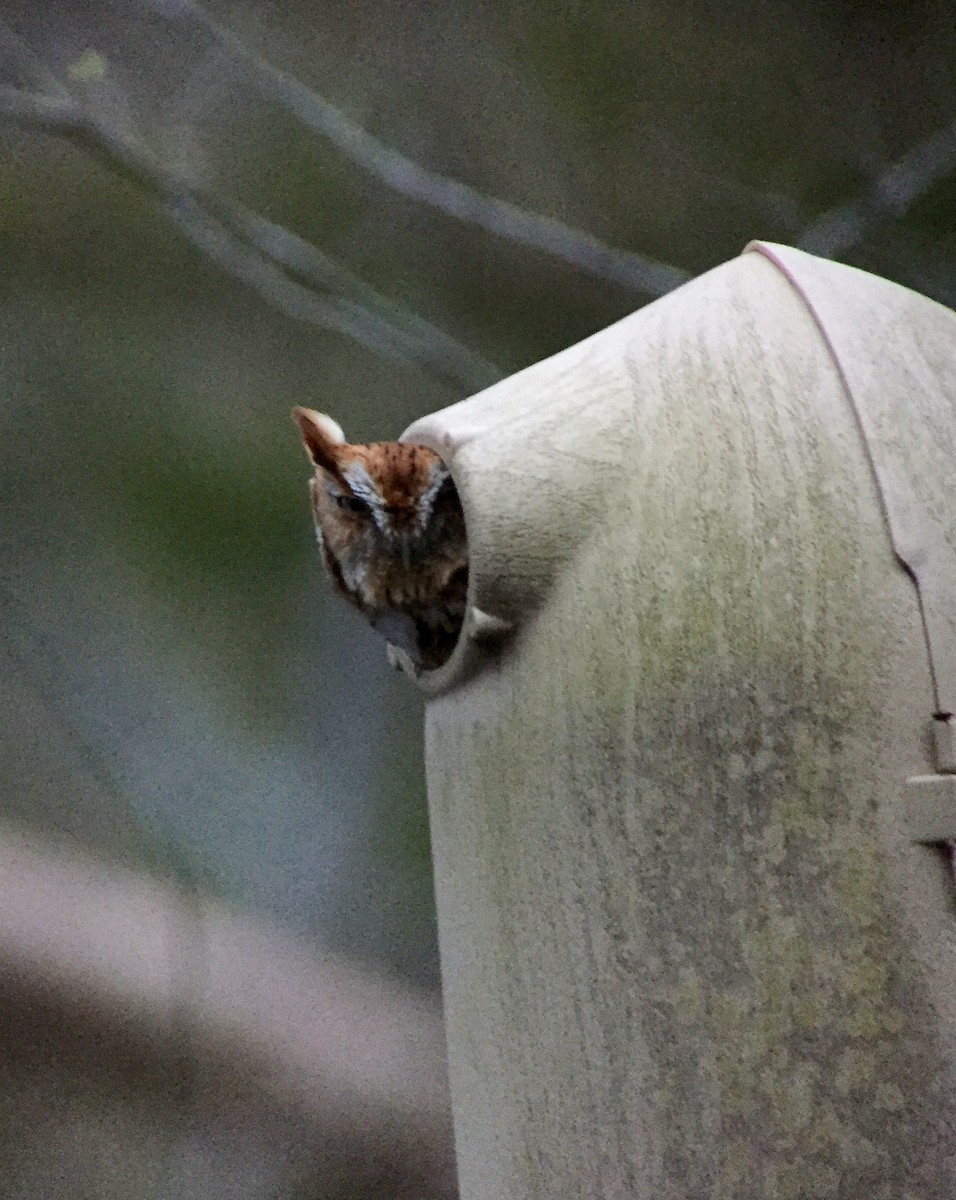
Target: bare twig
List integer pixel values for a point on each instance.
(307, 285)
(286, 270)
(844, 226)
(29, 63)
(409, 178)
(58, 114)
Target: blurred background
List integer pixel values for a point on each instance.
(375, 208)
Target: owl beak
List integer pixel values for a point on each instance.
(400, 537)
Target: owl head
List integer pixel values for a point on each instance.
(385, 490)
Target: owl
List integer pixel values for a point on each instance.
(392, 534)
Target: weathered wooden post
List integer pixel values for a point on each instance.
(686, 760)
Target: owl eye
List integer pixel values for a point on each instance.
(351, 503)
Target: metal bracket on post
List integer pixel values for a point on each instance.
(931, 799)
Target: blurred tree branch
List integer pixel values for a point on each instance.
(290, 273)
(831, 235)
(286, 270)
(289, 1067)
(892, 194)
(302, 281)
(411, 179)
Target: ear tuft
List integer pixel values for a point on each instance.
(321, 437)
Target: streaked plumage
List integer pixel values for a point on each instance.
(392, 534)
